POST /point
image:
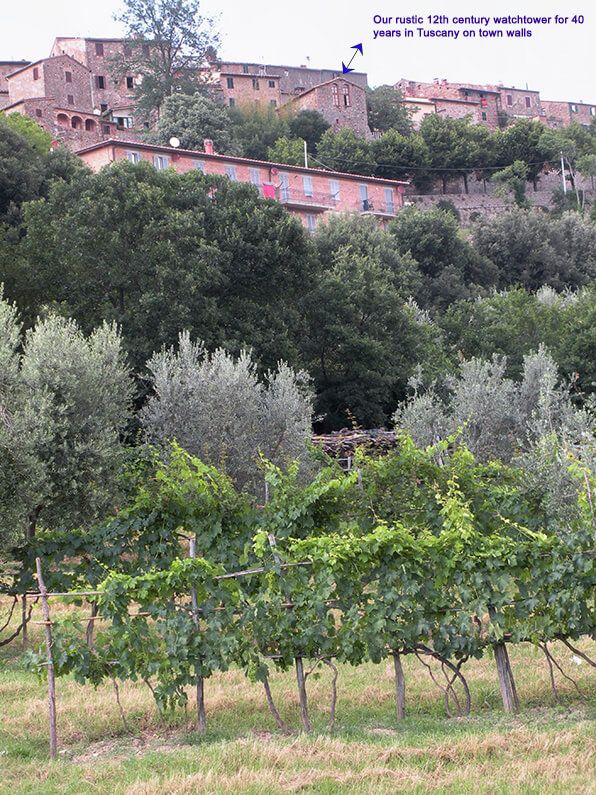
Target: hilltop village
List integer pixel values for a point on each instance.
(73, 94)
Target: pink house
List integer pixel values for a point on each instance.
(311, 194)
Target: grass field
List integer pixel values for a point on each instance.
(548, 747)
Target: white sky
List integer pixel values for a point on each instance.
(557, 60)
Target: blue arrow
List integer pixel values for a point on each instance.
(346, 69)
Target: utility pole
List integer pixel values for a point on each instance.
(563, 175)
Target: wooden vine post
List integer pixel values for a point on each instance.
(300, 678)
(400, 687)
(50, 662)
(505, 674)
(195, 618)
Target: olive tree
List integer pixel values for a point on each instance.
(64, 402)
(216, 408)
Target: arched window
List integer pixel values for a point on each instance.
(346, 96)
(335, 93)
(90, 125)
(76, 123)
(62, 119)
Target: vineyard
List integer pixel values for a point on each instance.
(423, 554)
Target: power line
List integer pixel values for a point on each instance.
(418, 168)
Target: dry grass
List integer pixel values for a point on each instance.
(547, 748)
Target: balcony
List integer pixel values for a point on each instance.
(378, 209)
(298, 200)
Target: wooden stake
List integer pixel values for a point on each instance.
(302, 692)
(505, 674)
(400, 687)
(24, 620)
(195, 618)
(51, 682)
(506, 681)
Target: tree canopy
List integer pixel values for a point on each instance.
(168, 44)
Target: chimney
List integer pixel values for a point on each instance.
(208, 146)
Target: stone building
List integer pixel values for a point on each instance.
(457, 100)
(520, 103)
(340, 102)
(567, 112)
(6, 68)
(99, 56)
(244, 84)
(310, 194)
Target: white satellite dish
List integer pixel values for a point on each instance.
(175, 142)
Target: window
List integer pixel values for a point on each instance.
(311, 222)
(335, 94)
(133, 157)
(38, 112)
(124, 121)
(245, 68)
(346, 96)
(364, 202)
(231, 102)
(509, 99)
(255, 83)
(284, 187)
(70, 99)
(68, 77)
(592, 111)
(160, 162)
(334, 189)
(307, 182)
(573, 108)
(35, 73)
(483, 114)
(89, 125)
(130, 82)
(273, 103)
(255, 176)
(272, 84)
(528, 102)
(231, 173)
(106, 129)
(199, 165)
(389, 203)
(99, 48)
(103, 107)
(100, 81)
(230, 82)
(483, 103)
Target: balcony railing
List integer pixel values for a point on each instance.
(292, 197)
(322, 201)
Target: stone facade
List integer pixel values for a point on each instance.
(241, 89)
(310, 194)
(7, 68)
(98, 55)
(67, 125)
(457, 100)
(520, 103)
(293, 80)
(340, 102)
(62, 78)
(492, 101)
(568, 112)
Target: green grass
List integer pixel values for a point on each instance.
(548, 747)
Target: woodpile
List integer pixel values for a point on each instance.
(343, 444)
